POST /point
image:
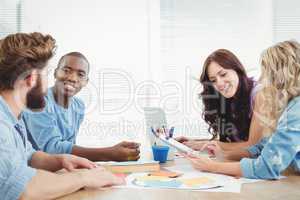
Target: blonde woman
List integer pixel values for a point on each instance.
(280, 79)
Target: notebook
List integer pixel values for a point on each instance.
(131, 166)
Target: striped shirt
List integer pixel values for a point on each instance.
(15, 155)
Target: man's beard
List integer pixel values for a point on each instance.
(35, 97)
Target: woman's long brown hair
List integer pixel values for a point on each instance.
(227, 117)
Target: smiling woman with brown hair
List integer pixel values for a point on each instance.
(230, 99)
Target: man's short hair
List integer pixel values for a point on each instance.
(21, 53)
(75, 54)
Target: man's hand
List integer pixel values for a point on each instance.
(125, 151)
(71, 162)
(99, 177)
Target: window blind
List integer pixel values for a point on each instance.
(286, 20)
(10, 17)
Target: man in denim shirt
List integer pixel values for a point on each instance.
(64, 113)
(24, 172)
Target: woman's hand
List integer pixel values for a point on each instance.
(201, 163)
(195, 144)
(182, 139)
(213, 149)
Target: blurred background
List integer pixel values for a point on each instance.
(150, 53)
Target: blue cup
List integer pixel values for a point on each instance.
(160, 153)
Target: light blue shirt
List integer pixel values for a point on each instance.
(54, 129)
(273, 155)
(15, 155)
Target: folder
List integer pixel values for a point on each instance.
(131, 166)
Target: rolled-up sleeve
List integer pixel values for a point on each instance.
(255, 150)
(45, 133)
(29, 151)
(278, 153)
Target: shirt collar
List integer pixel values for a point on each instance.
(8, 114)
(50, 93)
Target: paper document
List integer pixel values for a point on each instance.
(128, 163)
(181, 147)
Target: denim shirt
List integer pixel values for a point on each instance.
(281, 150)
(54, 129)
(15, 155)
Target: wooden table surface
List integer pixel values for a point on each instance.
(284, 189)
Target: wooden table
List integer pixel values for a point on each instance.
(284, 189)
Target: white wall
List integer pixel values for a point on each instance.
(115, 37)
(286, 19)
(147, 52)
(191, 30)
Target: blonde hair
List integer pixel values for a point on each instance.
(280, 77)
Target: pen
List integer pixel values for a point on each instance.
(164, 131)
(155, 134)
(152, 130)
(171, 131)
(158, 132)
